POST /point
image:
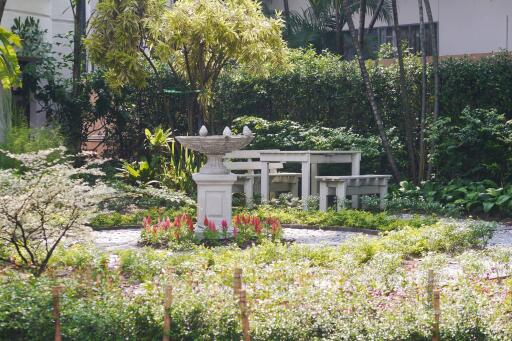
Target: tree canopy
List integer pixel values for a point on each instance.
(196, 39)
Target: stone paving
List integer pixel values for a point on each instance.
(128, 238)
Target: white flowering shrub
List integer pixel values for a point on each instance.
(43, 203)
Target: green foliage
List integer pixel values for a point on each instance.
(345, 218)
(165, 164)
(481, 83)
(117, 219)
(22, 139)
(290, 135)
(483, 197)
(195, 38)
(295, 292)
(9, 67)
(482, 135)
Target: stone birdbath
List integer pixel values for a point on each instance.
(214, 181)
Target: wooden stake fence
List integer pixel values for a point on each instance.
(245, 315)
(167, 306)
(242, 301)
(237, 282)
(167, 316)
(56, 312)
(437, 316)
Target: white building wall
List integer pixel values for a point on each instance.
(465, 26)
(56, 17)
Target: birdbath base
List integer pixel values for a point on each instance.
(214, 197)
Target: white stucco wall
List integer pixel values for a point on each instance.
(465, 26)
(56, 17)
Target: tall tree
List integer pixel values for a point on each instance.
(362, 19)
(74, 118)
(435, 67)
(196, 39)
(408, 122)
(370, 94)
(423, 115)
(286, 7)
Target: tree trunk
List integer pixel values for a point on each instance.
(435, 57)
(375, 16)
(78, 64)
(339, 33)
(370, 93)
(409, 136)
(435, 67)
(2, 7)
(286, 7)
(423, 117)
(362, 19)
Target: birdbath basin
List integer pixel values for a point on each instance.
(215, 147)
(214, 181)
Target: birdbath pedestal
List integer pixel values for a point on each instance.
(214, 181)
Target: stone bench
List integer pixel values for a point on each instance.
(247, 178)
(354, 185)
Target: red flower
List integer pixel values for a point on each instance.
(235, 231)
(211, 226)
(190, 224)
(224, 224)
(237, 219)
(205, 222)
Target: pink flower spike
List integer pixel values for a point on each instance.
(224, 224)
(235, 231)
(205, 222)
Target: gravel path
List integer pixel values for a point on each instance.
(502, 237)
(128, 238)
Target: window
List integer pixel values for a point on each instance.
(382, 35)
(409, 33)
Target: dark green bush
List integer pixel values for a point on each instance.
(476, 145)
(290, 135)
(482, 197)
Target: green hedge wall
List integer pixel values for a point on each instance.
(325, 90)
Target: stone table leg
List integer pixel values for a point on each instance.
(324, 190)
(265, 187)
(314, 181)
(306, 178)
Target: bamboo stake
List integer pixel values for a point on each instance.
(56, 312)
(437, 316)
(237, 282)
(430, 286)
(245, 315)
(167, 316)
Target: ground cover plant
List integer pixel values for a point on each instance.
(381, 221)
(485, 198)
(368, 288)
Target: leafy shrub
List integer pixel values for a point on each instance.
(51, 202)
(164, 164)
(346, 218)
(477, 134)
(290, 135)
(483, 197)
(295, 292)
(117, 219)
